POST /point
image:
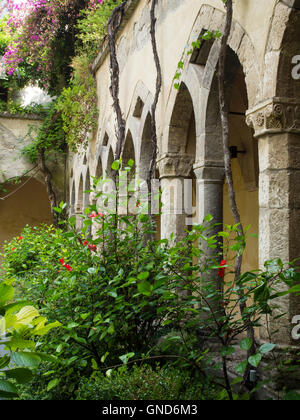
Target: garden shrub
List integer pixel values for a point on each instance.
(144, 383)
(20, 325)
(123, 297)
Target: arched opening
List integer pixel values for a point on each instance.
(25, 203)
(110, 161)
(72, 199)
(79, 204)
(244, 161)
(87, 188)
(128, 154)
(176, 169)
(180, 124)
(146, 151)
(127, 178)
(106, 202)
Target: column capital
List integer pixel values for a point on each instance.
(172, 165)
(213, 174)
(275, 115)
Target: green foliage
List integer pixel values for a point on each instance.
(208, 35)
(144, 383)
(123, 298)
(5, 37)
(50, 136)
(92, 28)
(78, 101)
(14, 108)
(20, 324)
(78, 105)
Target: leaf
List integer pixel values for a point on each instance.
(295, 289)
(266, 348)
(72, 325)
(255, 360)
(130, 163)
(237, 380)
(2, 326)
(145, 287)
(26, 359)
(19, 343)
(241, 367)
(144, 275)
(6, 293)
(126, 357)
(4, 361)
(45, 329)
(7, 390)
(21, 375)
(52, 384)
(246, 344)
(113, 294)
(116, 165)
(26, 315)
(227, 351)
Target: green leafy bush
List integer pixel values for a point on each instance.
(49, 137)
(124, 296)
(77, 104)
(145, 383)
(20, 325)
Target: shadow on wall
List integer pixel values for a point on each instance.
(28, 205)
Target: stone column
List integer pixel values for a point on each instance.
(210, 181)
(173, 171)
(277, 128)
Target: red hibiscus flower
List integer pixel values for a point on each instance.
(221, 271)
(62, 261)
(92, 247)
(20, 238)
(68, 267)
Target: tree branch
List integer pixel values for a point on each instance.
(152, 167)
(112, 28)
(224, 109)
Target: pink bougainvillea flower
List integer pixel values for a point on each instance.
(221, 271)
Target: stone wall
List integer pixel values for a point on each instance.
(23, 200)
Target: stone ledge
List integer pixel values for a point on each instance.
(33, 117)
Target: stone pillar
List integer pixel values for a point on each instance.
(210, 181)
(277, 128)
(173, 171)
(78, 214)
